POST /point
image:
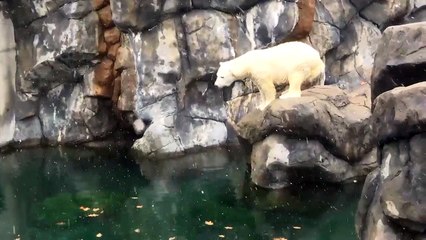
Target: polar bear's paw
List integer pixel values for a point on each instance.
(287, 95)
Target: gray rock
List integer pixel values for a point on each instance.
(324, 35)
(341, 11)
(229, 6)
(211, 37)
(48, 49)
(158, 62)
(400, 59)
(26, 105)
(28, 132)
(97, 116)
(392, 203)
(172, 134)
(78, 9)
(278, 162)
(400, 112)
(384, 13)
(367, 196)
(68, 117)
(361, 4)
(24, 12)
(136, 16)
(268, 23)
(60, 115)
(160, 138)
(403, 196)
(340, 121)
(351, 62)
(173, 6)
(416, 15)
(205, 102)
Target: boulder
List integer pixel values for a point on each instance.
(399, 113)
(336, 118)
(279, 161)
(400, 58)
(393, 202)
(392, 205)
(68, 117)
(385, 13)
(403, 197)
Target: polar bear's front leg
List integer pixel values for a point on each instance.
(295, 81)
(267, 92)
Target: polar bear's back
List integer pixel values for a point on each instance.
(277, 62)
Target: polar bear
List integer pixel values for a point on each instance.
(294, 63)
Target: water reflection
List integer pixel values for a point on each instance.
(68, 193)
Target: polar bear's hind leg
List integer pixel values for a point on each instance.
(295, 81)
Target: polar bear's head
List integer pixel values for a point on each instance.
(224, 75)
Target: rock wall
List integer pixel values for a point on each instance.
(87, 70)
(393, 202)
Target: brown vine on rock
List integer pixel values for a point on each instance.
(305, 22)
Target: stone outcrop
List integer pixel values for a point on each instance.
(401, 58)
(393, 203)
(326, 129)
(65, 72)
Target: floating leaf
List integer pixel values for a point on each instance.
(210, 223)
(139, 206)
(228, 228)
(99, 235)
(60, 223)
(280, 238)
(93, 215)
(297, 227)
(222, 236)
(96, 209)
(134, 198)
(172, 238)
(137, 230)
(85, 209)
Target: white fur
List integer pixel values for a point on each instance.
(292, 63)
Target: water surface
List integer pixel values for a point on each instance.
(66, 193)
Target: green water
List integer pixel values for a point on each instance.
(44, 194)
